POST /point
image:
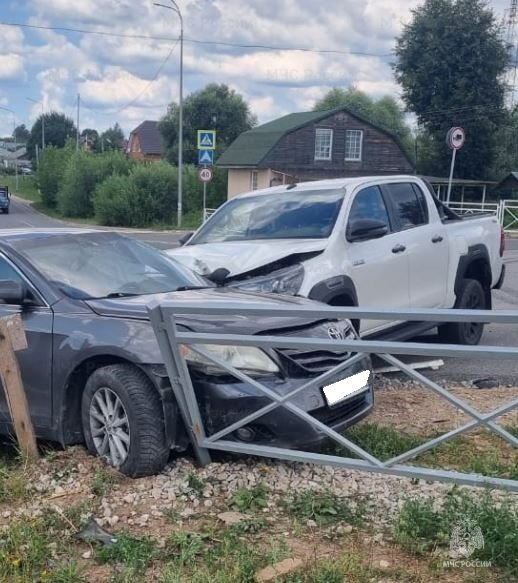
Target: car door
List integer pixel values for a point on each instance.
(36, 361)
(378, 270)
(425, 242)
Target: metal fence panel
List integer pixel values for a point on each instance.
(165, 318)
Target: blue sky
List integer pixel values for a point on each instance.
(127, 80)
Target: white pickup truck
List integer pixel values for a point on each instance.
(382, 242)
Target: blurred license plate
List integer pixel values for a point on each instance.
(347, 388)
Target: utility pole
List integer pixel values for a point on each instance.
(77, 128)
(176, 9)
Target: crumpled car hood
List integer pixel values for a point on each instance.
(242, 256)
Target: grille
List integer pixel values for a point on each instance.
(316, 361)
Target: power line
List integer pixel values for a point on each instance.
(144, 90)
(195, 40)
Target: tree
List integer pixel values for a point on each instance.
(214, 107)
(385, 112)
(58, 128)
(21, 133)
(89, 138)
(451, 59)
(111, 139)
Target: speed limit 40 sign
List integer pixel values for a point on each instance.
(456, 138)
(205, 174)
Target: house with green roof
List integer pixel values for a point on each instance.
(311, 146)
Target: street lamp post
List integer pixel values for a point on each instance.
(15, 143)
(42, 120)
(176, 9)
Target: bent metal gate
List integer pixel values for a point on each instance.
(164, 320)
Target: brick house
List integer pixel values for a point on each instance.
(145, 142)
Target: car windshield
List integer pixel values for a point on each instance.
(283, 215)
(101, 265)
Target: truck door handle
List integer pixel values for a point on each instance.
(399, 249)
(437, 239)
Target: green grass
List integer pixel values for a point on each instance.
(420, 527)
(103, 481)
(382, 442)
(217, 556)
(326, 507)
(197, 485)
(459, 453)
(38, 550)
(133, 553)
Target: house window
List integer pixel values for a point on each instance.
(254, 179)
(353, 145)
(323, 144)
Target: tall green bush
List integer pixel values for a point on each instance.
(147, 196)
(84, 172)
(51, 168)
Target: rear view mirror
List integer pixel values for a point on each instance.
(364, 229)
(12, 292)
(184, 238)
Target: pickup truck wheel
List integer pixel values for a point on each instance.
(122, 419)
(471, 296)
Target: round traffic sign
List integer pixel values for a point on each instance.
(205, 174)
(456, 138)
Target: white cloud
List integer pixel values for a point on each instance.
(110, 72)
(11, 67)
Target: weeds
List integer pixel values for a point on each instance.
(195, 484)
(326, 507)
(134, 553)
(250, 499)
(103, 481)
(420, 527)
(13, 485)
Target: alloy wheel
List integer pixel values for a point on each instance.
(109, 426)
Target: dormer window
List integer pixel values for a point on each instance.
(323, 144)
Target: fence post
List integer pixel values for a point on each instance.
(12, 338)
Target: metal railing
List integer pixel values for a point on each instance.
(508, 215)
(167, 316)
(470, 208)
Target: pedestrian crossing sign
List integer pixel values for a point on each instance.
(206, 139)
(205, 157)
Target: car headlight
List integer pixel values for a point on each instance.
(284, 281)
(244, 358)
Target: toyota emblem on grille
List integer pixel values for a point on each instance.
(335, 333)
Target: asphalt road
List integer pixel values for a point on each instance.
(22, 216)
(506, 372)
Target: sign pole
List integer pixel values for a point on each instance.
(204, 199)
(453, 156)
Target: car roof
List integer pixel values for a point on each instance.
(328, 184)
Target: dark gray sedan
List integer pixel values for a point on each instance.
(93, 371)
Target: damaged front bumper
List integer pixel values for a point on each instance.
(224, 401)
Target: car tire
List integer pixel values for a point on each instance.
(471, 296)
(122, 419)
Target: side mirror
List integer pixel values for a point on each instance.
(184, 238)
(364, 229)
(12, 292)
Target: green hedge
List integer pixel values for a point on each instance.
(120, 192)
(83, 173)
